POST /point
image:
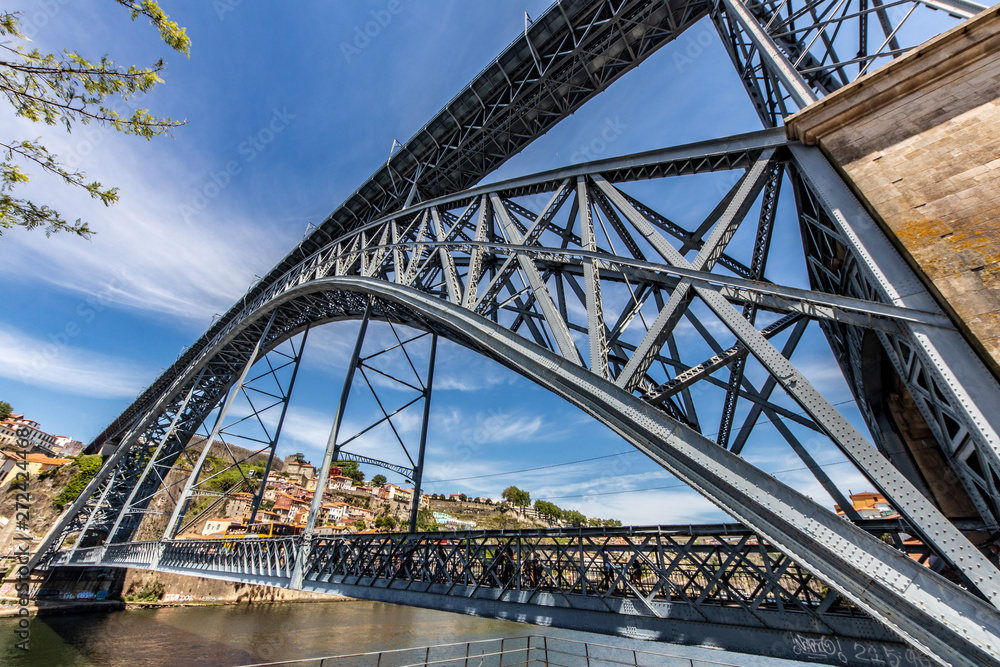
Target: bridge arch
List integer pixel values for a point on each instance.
(408, 266)
(819, 540)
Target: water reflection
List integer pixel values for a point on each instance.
(246, 634)
(235, 635)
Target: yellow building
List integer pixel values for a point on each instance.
(36, 464)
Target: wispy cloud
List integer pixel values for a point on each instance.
(54, 365)
(182, 268)
(672, 506)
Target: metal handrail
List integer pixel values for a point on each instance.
(532, 644)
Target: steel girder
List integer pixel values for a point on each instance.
(714, 585)
(147, 475)
(519, 258)
(907, 597)
(573, 51)
(789, 54)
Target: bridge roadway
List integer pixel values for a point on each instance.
(717, 585)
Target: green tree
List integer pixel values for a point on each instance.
(378, 480)
(87, 467)
(463, 497)
(225, 476)
(5, 410)
(545, 507)
(350, 469)
(68, 89)
(359, 524)
(574, 518)
(516, 496)
(386, 523)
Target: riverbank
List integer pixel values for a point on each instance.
(179, 589)
(223, 603)
(86, 590)
(9, 608)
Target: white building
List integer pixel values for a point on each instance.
(38, 439)
(216, 526)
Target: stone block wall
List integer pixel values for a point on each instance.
(919, 139)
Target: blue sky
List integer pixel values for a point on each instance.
(86, 325)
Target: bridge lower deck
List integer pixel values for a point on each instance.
(719, 586)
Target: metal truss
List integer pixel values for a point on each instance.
(249, 435)
(375, 366)
(719, 585)
(967, 439)
(112, 509)
(584, 281)
(578, 284)
(571, 52)
(790, 53)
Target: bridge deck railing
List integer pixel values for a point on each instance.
(656, 566)
(527, 651)
(653, 565)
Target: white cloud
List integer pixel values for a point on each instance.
(157, 259)
(496, 426)
(661, 507)
(53, 364)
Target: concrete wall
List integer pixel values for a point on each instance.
(68, 581)
(181, 588)
(920, 141)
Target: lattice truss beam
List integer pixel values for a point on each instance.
(789, 53)
(145, 487)
(579, 265)
(718, 584)
(546, 274)
(591, 269)
(571, 52)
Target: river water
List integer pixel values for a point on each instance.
(245, 634)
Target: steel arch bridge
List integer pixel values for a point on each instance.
(583, 279)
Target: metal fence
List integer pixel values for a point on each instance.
(711, 566)
(506, 652)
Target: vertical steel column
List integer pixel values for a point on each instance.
(156, 454)
(418, 471)
(771, 55)
(328, 456)
(331, 444)
(93, 512)
(193, 478)
(104, 493)
(259, 496)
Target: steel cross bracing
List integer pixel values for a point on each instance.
(571, 52)
(571, 279)
(578, 37)
(502, 269)
(171, 449)
(718, 585)
(789, 53)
